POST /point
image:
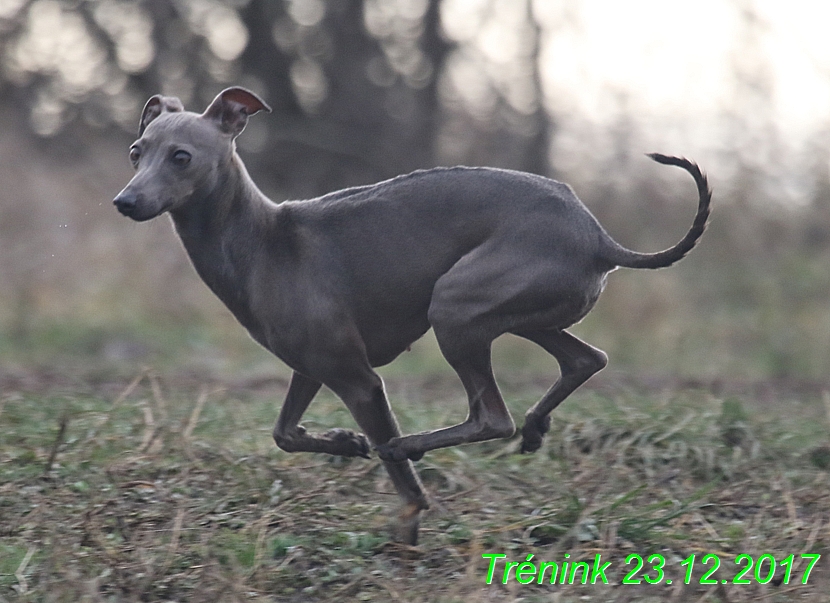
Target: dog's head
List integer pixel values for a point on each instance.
(179, 152)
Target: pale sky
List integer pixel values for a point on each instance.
(667, 57)
(681, 57)
(709, 79)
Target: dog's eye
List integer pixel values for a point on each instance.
(180, 158)
(135, 155)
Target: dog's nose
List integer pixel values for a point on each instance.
(125, 202)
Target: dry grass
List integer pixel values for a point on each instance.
(152, 489)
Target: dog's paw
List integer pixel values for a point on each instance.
(533, 432)
(406, 529)
(348, 443)
(393, 452)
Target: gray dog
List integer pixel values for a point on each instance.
(337, 285)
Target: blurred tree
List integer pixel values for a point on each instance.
(361, 89)
(492, 87)
(353, 82)
(363, 75)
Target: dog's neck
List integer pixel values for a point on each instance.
(219, 228)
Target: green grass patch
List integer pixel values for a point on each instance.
(172, 489)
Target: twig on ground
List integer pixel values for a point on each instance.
(386, 586)
(194, 414)
(22, 585)
(64, 421)
(149, 427)
(116, 403)
(161, 403)
(131, 386)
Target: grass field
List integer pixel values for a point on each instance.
(162, 483)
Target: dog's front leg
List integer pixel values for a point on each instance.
(292, 437)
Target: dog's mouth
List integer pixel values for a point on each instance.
(134, 213)
(125, 211)
(133, 207)
(137, 216)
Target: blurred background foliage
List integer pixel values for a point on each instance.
(366, 89)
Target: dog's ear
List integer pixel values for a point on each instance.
(231, 108)
(157, 105)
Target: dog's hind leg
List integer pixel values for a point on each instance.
(577, 360)
(487, 418)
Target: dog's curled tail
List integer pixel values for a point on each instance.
(620, 256)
